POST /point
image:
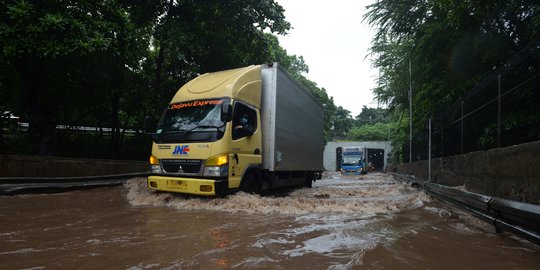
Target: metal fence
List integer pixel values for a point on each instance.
(502, 110)
(76, 141)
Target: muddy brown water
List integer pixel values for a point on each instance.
(355, 222)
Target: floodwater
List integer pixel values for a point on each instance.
(354, 222)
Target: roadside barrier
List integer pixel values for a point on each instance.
(520, 218)
(20, 185)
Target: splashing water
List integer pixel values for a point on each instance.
(380, 194)
(343, 222)
(337, 215)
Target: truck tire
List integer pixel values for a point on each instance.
(251, 184)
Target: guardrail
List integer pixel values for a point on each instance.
(20, 185)
(520, 218)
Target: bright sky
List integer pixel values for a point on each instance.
(334, 42)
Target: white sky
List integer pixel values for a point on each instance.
(334, 42)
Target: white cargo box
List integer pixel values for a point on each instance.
(292, 124)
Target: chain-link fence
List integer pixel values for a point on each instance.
(502, 110)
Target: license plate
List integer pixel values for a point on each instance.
(178, 184)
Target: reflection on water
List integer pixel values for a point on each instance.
(356, 222)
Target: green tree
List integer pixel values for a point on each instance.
(369, 132)
(195, 37)
(111, 63)
(296, 66)
(371, 115)
(450, 46)
(67, 56)
(372, 124)
(342, 123)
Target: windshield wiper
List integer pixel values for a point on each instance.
(158, 136)
(174, 131)
(186, 131)
(203, 126)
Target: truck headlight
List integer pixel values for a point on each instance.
(154, 165)
(217, 166)
(216, 171)
(156, 169)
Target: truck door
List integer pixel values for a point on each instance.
(246, 142)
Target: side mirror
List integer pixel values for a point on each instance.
(226, 112)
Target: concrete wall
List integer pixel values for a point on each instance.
(511, 173)
(330, 151)
(15, 166)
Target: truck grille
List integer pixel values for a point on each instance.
(181, 165)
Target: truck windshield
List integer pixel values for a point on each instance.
(352, 160)
(192, 121)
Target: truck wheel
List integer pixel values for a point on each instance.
(251, 184)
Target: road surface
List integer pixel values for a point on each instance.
(352, 222)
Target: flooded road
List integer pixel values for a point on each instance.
(356, 222)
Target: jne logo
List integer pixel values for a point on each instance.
(180, 150)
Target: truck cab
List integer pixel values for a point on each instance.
(211, 139)
(353, 160)
(209, 134)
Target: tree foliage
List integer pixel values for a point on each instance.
(59, 52)
(372, 124)
(111, 64)
(372, 115)
(369, 132)
(450, 46)
(342, 122)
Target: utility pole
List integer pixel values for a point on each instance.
(429, 151)
(410, 112)
(499, 111)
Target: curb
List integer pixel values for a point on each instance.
(520, 218)
(22, 185)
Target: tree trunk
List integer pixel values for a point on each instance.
(2, 132)
(41, 123)
(115, 123)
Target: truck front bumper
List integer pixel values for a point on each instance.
(195, 186)
(353, 171)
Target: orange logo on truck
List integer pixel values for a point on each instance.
(197, 103)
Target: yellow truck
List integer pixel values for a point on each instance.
(252, 129)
